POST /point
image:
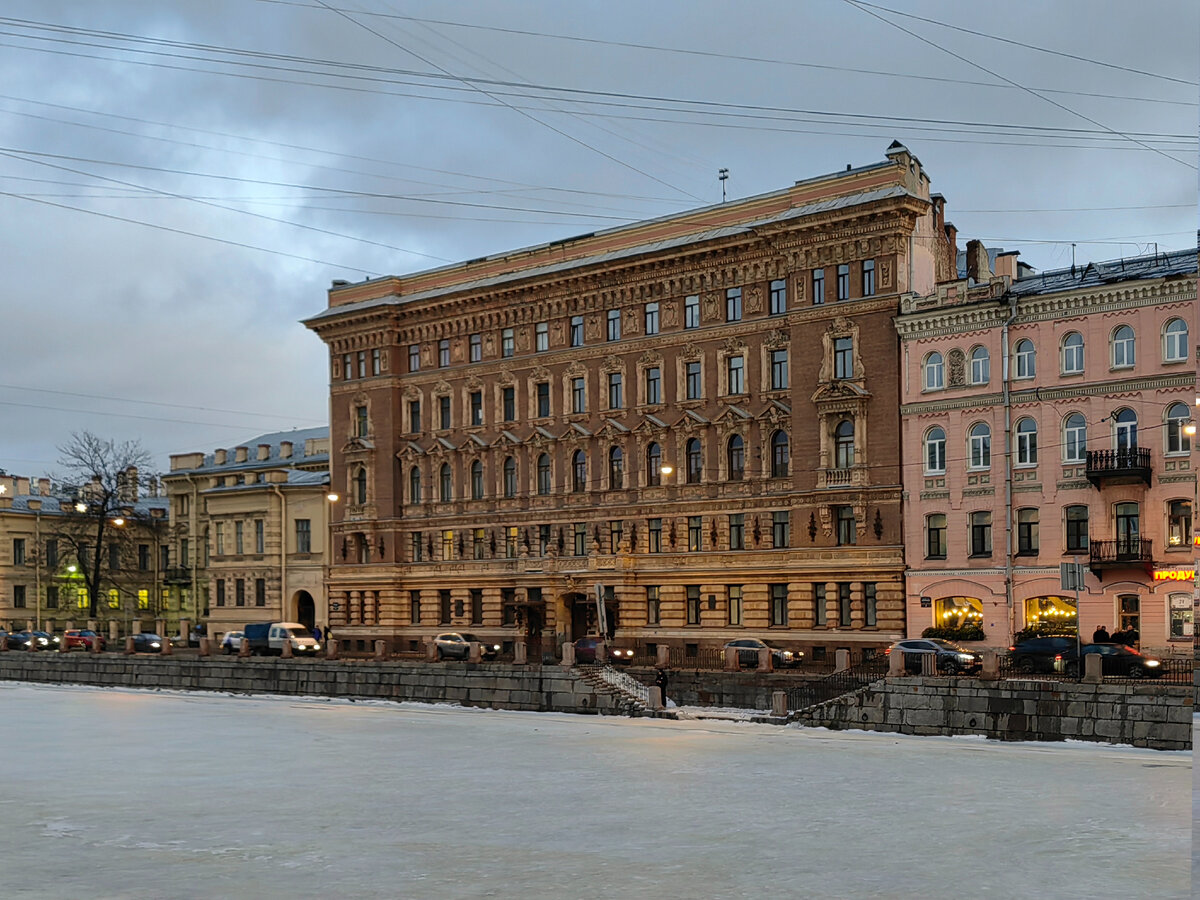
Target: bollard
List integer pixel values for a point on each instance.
(129, 646)
(166, 649)
(205, 647)
(244, 649)
(568, 654)
(431, 653)
(928, 663)
(655, 698)
(662, 655)
(33, 644)
(732, 661)
(1093, 668)
(474, 652)
(331, 649)
(519, 653)
(896, 664)
(841, 658)
(991, 666)
(764, 660)
(286, 650)
(4, 644)
(112, 630)
(93, 646)
(779, 704)
(381, 650)
(601, 653)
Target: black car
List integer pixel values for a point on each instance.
(1037, 654)
(145, 642)
(487, 651)
(1117, 660)
(748, 648)
(24, 640)
(951, 658)
(585, 652)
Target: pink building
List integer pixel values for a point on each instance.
(1047, 419)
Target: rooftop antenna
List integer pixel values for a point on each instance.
(1072, 257)
(722, 176)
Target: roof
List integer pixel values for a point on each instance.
(53, 506)
(298, 438)
(1155, 265)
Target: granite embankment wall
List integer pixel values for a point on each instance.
(1143, 714)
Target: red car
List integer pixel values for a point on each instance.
(82, 639)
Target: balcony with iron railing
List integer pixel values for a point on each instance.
(1122, 553)
(1122, 466)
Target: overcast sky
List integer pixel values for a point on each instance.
(180, 180)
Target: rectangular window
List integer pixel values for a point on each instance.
(508, 400)
(846, 530)
(18, 596)
(578, 395)
(362, 363)
(414, 416)
(691, 311)
(779, 370)
(259, 536)
(616, 532)
(347, 367)
(476, 401)
(651, 318)
(1027, 532)
(542, 336)
(870, 606)
(614, 391)
(1077, 529)
(818, 284)
(654, 535)
(511, 535)
(844, 604)
(737, 531)
(443, 353)
(543, 540)
(376, 362)
(444, 411)
(448, 544)
(476, 606)
(478, 543)
(733, 304)
(781, 529)
(52, 596)
(693, 381)
(507, 344)
(414, 357)
(735, 604)
(220, 592)
(238, 530)
(239, 592)
(693, 604)
(868, 278)
(779, 605)
(580, 536)
(981, 534)
(778, 297)
(843, 357)
(416, 547)
(543, 399)
(576, 331)
(444, 607)
(414, 607)
(508, 605)
(653, 385)
(360, 421)
(935, 536)
(695, 529)
(475, 345)
(304, 536)
(843, 282)
(143, 553)
(735, 371)
(614, 325)
(260, 592)
(220, 532)
(18, 551)
(114, 557)
(52, 553)
(820, 611)
(653, 611)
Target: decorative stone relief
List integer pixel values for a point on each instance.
(670, 313)
(712, 306)
(957, 361)
(753, 296)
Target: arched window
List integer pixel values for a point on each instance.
(736, 457)
(1074, 438)
(1122, 347)
(477, 480)
(935, 451)
(360, 486)
(980, 446)
(1027, 442)
(579, 471)
(1072, 353)
(694, 460)
(616, 469)
(1175, 341)
(1025, 359)
(1125, 429)
(1178, 418)
(414, 485)
(843, 444)
(981, 366)
(510, 477)
(933, 372)
(653, 464)
(779, 455)
(543, 474)
(445, 484)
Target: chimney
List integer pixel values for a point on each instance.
(978, 269)
(1006, 264)
(240, 454)
(44, 487)
(22, 485)
(285, 449)
(127, 485)
(264, 451)
(219, 457)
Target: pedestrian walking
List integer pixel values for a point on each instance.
(1101, 636)
(317, 633)
(660, 681)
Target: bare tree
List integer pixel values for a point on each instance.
(97, 528)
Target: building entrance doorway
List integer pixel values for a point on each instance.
(306, 612)
(583, 616)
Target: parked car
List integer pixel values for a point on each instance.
(586, 648)
(487, 651)
(1037, 654)
(951, 658)
(23, 640)
(1117, 659)
(748, 648)
(232, 641)
(145, 642)
(451, 645)
(83, 639)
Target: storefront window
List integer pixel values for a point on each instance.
(1051, 615)
(958, 612)
(1181, 616)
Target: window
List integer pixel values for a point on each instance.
(1074, 438)
(695, 388)
(347, 367)
(580, 536)
(18, 596)
(654, 535)
(542, 389)
(778, 297)
(820, 610)
(818, 285)
(843, 444)
(843, 357)
(653, 465)
(733, 304)
(981, 365)
(260, 592)
(1122, 347)
(510, 542)
(1179, 523)
(980, 447)
(1175, 341)
(653, 610)
(541, 333)
(615, 400)
(781, 529)
(868, 278)
(304, 536)
(414, 416)
(981, 534)
(779, 605)
(614, 324)
(52, 596)
(18, 551)
(734, 591)
(845, 617)
(507, 344)
(476, 606)
(114, 554)
(1027, 532)
(779, 370)
(143, 554)
(475, 343)
(1128, 530)
(691, 311)
(1178, 419)
(616, 530)
(653, 385)
(736, 458)
(220, 592)
(579, 471)
(52, 554)
(1125, 430)
(935, 536)
(651, 318)
(445, 484)
(543, 474)
(362, 363)
(735, 371)
(239, 592)
(843, 282)
(543, 539)
(693, 461)
(1072, 353)
(1180, 606)
(259, 536)
(934, 372)
(475, 399)
(443, 353)
(238, 541)
(578, 395)
(447, 545)
(444, 412)
(510, 477)
(1026, 359)
(576, 331)
(414, 357)
(414, 485)
(616, 469)
(779, 455)
(846, 526)
(1027, 443)
(1077, 529)
(360, 486)
(737, 531)
(360, 421)
(376, 361)
(416, 547)
(443, 607)
(693, 604)
(870, 605)
(935, 451)
(695, 540)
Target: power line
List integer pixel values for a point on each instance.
(234, 412)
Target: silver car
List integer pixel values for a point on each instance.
(232, 641)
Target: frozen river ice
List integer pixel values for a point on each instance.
(127, 794)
